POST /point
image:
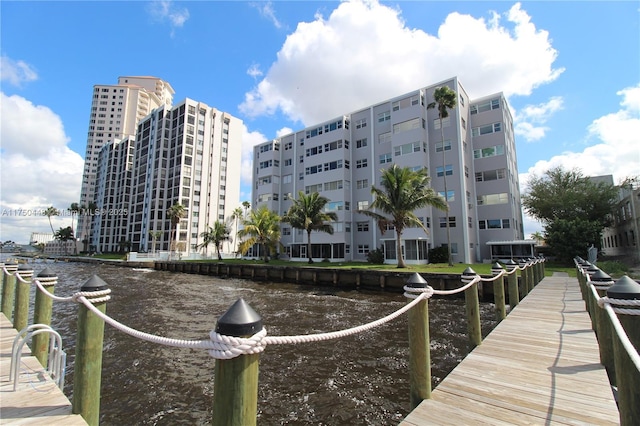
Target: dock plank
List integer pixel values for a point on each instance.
(36, 400)
(540, 365)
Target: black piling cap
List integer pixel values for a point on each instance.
(592, 269)
(600, 276)
(24, 267)
(94, 283)
(417, 281)
(510, 263)
(47, 273)
(624, 288)
(239, 320)
(496, 267)
(469, 271)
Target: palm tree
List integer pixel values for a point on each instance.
(64, 235)
(217, 234)
(404, 191)
(538, 237)
(175, 213)
(74, 208)
(445, 99)
(246, 206)
(89, 212)
(154, 237)
(263, 227)
(307, 212)
(236, 215)
(51, 211)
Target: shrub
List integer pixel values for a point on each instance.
(439, 255)
(376, 256)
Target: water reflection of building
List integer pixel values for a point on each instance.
(343, 157)
(180, 155)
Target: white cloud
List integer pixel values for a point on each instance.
(165, 11)
(16, 72)
(364, 53)
(37, 169)
(254, 71)
(615, 151)
(266, 10)
(529, 122)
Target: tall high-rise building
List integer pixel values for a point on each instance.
(115, 113)
(189, 155)
(342, 158)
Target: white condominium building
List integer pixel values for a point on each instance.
(342, 158)
(115, 113)
(190, 155)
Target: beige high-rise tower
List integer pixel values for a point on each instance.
(115, 113)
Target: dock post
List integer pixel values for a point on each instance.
(87, 373)
(419, 345)
(627, 374)
(42, 314)
(512, 279)
(9, 290)
(23, 291)
(523, 278)
(472, 308)
(1, 282)
(498, 292)
(601, 282)
(235, 388)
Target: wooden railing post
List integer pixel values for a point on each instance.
(23, 291)
(627, 374)
(87, 374)
(601, 283)
(419, 345)
(523, 278)
(42, 314)
(9, 290)
(498, 292)
(472, 308)
(1, 282)
(514, 294)
(235, 388)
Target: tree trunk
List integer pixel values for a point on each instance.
(309, 247)
(399, 249)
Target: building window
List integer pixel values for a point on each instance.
(362, 226)
(407, 125)
(446, 144)
(443, 222)
(362, 184)
(446, 122)
(385, 158)
(384, 116)
(288, 162)
(486, 106)
(490, 199)
(363, 205)
(286, 231)
(486, 129)
(361, 164)
(491, 151)
(361, 143)
(447, 169)
(361, 123)
(408, 148)
(451, 195)
(363, 248)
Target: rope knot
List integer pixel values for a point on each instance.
(228, 347)
(92, 296)
(415, 292)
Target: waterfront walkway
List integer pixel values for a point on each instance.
(37, 400)
(538, 366)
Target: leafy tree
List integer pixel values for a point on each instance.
(572, 208)
(64, 235)
(175, 213)
(404, 190)
(124, 245)
(246, 205)
(215, 235)
(307, 213)
(88, 211)
(263, 228)
(51, 211)
(445, 99)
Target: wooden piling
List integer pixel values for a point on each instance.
(9, 290)
(472, 308)
(419, 346)
(235, 389)
(512, 283)
(87, 373)
(23, 291)
(498, 292)
(42, 314)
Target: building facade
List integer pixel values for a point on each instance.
(621, 239)
(115, 113)
(471, 153)
(180, 155)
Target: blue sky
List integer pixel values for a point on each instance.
(570, 70)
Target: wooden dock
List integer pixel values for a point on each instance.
(37, 400)
(538, 366)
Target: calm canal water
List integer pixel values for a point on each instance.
(357, 380)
